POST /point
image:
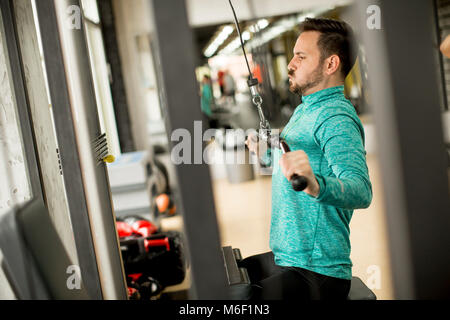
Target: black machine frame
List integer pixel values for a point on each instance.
(407, 113)
(180, 105)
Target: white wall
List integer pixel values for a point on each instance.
(133, 24)
(14, 186)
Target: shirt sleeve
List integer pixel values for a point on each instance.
(341, 141)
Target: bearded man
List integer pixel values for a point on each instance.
(310, 233)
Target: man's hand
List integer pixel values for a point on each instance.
(298, 162)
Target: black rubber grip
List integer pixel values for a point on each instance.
(299, 183)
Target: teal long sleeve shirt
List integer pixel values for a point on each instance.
(313, 233)
(206, 99)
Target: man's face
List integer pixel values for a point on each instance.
(306, 68)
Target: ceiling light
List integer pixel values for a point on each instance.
(227, 30)
(262, 23)
(218, 40)
(232, 46)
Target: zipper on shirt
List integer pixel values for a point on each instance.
(290, 127)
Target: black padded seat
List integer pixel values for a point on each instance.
(241, 289)
(359, 291)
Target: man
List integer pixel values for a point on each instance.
(220, 76)
(309, 236)
(230, 87)
(207, 99)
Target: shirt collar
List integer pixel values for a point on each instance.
(322, 95)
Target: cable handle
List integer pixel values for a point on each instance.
(299, 183)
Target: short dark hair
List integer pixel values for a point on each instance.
(336, 37)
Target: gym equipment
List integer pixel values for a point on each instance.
(359, 291)
(140, 186)
(152, 259)
(165, 204)
(35, 261)
(241, 288)
(238, 279)
(240, 168)
(299, 183)
(131, 184)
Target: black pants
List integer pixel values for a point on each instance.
(272, 282)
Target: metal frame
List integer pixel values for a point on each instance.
(441, 59)
(21, 98)
(174, 64)
(104, 252)
(118, 93)
(67, 148)
(403, 78)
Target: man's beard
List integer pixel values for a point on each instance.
(314, 79)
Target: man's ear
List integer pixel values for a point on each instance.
(332, 64)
